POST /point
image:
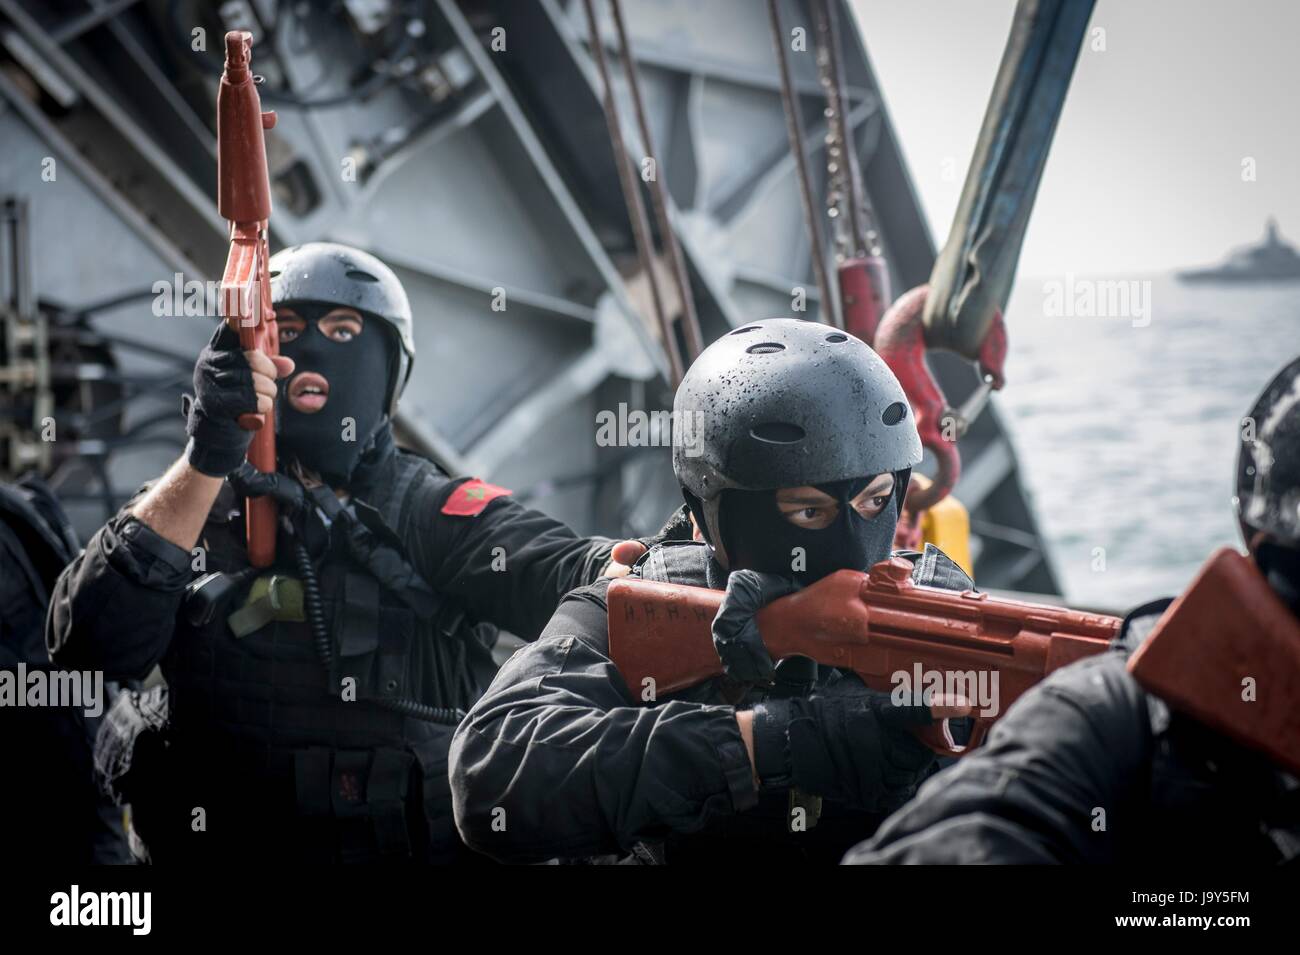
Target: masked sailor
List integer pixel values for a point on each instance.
(311, 704)
(794, 465)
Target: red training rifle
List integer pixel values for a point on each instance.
(244, 199)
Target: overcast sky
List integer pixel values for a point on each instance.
(1146, 170)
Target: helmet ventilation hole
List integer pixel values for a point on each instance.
(894, 413)
(836, 338)
(361, 276)
(765, 348)
(747, 328)
(778, 432)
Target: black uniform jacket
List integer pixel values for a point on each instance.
(257, 736)
(1089, 767)
(115, 606)
(559, 760)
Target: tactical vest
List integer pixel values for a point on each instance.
(284, 753)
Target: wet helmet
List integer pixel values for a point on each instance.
(784, 403)
(337, 274)
(1268, 467)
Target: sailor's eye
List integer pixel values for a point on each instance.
(871, 506)
(811, 516)
(287, 334)
(339, 329)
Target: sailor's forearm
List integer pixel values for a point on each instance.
(176, 507)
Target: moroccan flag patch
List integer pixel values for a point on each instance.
(470, 498)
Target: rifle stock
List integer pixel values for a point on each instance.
(244, 199)
(880, 625)
(1227, 653)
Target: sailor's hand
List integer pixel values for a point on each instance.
(622, 557)
(942, 721)
(735, 630)
(248, 481)
(845, 742)
(266, 369)
(228, 383)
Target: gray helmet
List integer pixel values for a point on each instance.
(784, 403)
(341, 275)
(1268, 468)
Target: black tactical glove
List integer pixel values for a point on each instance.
(735, 631)
(847, 743)
(223, 390)
(676, 528)
(287, 492)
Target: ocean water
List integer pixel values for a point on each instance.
(1127, 425)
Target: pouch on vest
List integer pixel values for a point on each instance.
(358, 797)
(373, 642)
(272, 597)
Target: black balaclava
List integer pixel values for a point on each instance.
(358, 373)
(758, 537)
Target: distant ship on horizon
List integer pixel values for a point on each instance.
(1273, 260)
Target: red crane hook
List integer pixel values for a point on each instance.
(900, 341)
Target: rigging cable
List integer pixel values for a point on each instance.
(632, 198)
(860, 268)
(843, 186)
(658, 199)
(793, 124)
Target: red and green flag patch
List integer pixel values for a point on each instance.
(470, 498)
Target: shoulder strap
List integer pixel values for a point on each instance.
(375, 541)
(410, 466)
(676, 562)
(933, 568)
(1139, 622)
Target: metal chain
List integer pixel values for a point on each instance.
(856, 233)
(793, 124)
(839, 186)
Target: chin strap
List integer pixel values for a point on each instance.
(712, 531)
